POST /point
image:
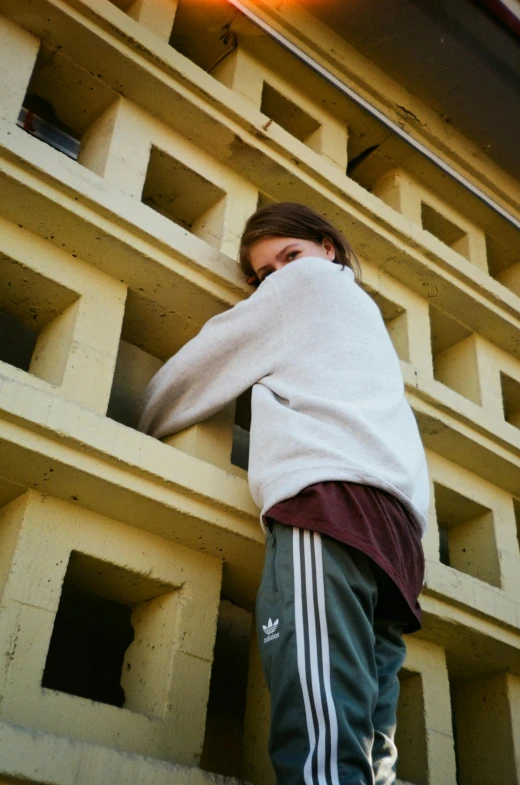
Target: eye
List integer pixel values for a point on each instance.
(292, 255)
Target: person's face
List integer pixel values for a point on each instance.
(273, 253)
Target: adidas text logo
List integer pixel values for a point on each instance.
(270, 630)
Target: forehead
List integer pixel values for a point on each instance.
(264, 250)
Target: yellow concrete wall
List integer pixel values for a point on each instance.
(111, 263)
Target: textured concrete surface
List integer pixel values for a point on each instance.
(113, 262)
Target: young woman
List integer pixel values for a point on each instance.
(338, 470)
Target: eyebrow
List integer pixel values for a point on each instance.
(278, 255)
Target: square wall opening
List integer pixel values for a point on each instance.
(511, 399)
(62, 101)
(134, 370)
(467, 535)
(184, 196)
(106, 615)
(445, 230)
(504, 259)
(396, 321)
(151, 333)
(89, 640)
(287, 114)
(37, 316)
(410, 738)
(199, 31)
(455, 361)
(222, 750)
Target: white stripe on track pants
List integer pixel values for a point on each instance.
(330, 666)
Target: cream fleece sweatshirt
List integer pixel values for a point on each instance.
(328, 397)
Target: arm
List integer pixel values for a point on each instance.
(233, 351)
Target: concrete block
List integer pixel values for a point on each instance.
(419, 344)
(406, 316)
(457, 367)
(289, 106)
(482, 708)
(242, 73)
(92, 390)
(407, 195)
(470, 551)
(51, 354)
(117, 147)
(330, 140)
(510, 569)
(400, 191)
(490, 360)
(431, 759)
(34, 757)
(430, 540)
(493, 603)
(174, 593)
(25, 632)
(31, 756)
(157, 15)
(510, 277)
(11, 521)
(441, 765)
(186, 727)
(18, 394)
(210, 440)
(77, 310)
(222, 225)
(449, 582)
(146, 159)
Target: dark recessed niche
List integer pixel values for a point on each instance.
(467, 540)
(511, 399)
(90, 637)
(447, 232)
(287, 114)
(241, 428)
(227, 696)
(18, 341)
(412, 762)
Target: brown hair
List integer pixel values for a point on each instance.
(290, 219)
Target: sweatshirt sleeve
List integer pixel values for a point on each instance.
(233, 351)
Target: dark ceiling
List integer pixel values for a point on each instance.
(457, 56)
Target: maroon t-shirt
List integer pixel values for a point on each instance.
(374, 522)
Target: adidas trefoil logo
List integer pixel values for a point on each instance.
(270, 630)
(270, 627)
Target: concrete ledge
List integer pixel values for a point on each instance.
(119, 472)
(35, 757)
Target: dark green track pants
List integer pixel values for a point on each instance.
(330, 665)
